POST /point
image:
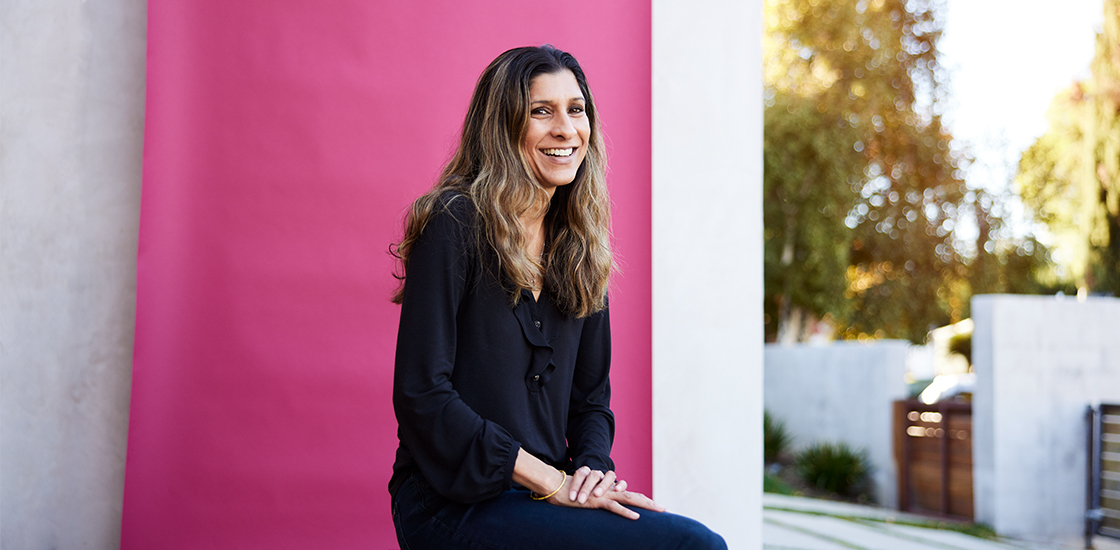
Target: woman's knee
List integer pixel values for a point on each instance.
(705, 539)
(678, 532)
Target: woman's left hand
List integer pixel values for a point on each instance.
(587, 482)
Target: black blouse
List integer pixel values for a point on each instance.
(475, 378)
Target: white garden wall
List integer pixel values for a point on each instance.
(841, 392)
(1039, 362)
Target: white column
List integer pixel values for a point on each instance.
(72, 114)
(707, 264)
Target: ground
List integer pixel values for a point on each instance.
(801, 523)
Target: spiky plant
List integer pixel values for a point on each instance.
(834, 467)
(775, 438)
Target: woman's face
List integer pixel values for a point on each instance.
(556, 140)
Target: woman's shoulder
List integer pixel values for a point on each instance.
(456, 204)
(453, 212)
(452, 218)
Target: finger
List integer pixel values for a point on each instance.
(620, 486)
(606, 483)
(621, 510)
(592, 480)
(577, 481)
(637, 500)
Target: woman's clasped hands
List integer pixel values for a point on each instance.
(587, 488)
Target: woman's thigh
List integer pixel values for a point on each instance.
(513, 521)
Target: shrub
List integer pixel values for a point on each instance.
(834, 467)
(775, 438)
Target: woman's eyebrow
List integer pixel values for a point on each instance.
(549, 101)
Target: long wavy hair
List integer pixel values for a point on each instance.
(491, 169)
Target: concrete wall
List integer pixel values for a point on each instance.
(71, 122)
(707, 268)
(1039, 362)
(841, 392)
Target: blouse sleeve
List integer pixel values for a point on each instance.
(590, 421)
(463, 456)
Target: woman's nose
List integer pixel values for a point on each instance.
(564, 127)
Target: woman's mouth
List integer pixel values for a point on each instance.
(567, 152)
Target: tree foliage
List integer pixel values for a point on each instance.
(1004, 263)
(1070, 176)
(809, 162)
(864, 190)
(870, 69)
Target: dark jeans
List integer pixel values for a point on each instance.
(512, 521)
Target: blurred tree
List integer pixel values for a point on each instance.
(864, 192)
(1003, 262)
(809, 162)
(1070, 177)
(872, 64)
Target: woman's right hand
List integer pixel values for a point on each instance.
(612, 500)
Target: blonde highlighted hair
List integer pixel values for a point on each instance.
(491, 169)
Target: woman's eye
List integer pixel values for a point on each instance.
(539, 111)
(576, 110)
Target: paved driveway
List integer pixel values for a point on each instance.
(797, 523)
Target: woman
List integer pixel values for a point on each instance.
(501, 386)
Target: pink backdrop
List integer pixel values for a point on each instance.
(283, 142)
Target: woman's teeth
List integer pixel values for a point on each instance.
(559, 152)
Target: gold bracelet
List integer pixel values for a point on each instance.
(535, 496)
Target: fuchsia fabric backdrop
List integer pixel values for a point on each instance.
(284, 141)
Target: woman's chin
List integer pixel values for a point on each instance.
(553, 181)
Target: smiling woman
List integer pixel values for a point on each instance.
(501, 380)
(556, 139)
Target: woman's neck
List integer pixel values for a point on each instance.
(534, 245)
(534, 236)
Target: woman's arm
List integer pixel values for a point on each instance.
(590, 431)
(543, 479)
(534, 474)
(590, 420)
(463, 456)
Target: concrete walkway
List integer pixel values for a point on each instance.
(798, 523)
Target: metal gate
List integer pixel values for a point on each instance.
(1103, 491)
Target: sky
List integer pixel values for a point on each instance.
(1007, 59)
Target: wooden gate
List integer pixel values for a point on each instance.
(933, 450)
